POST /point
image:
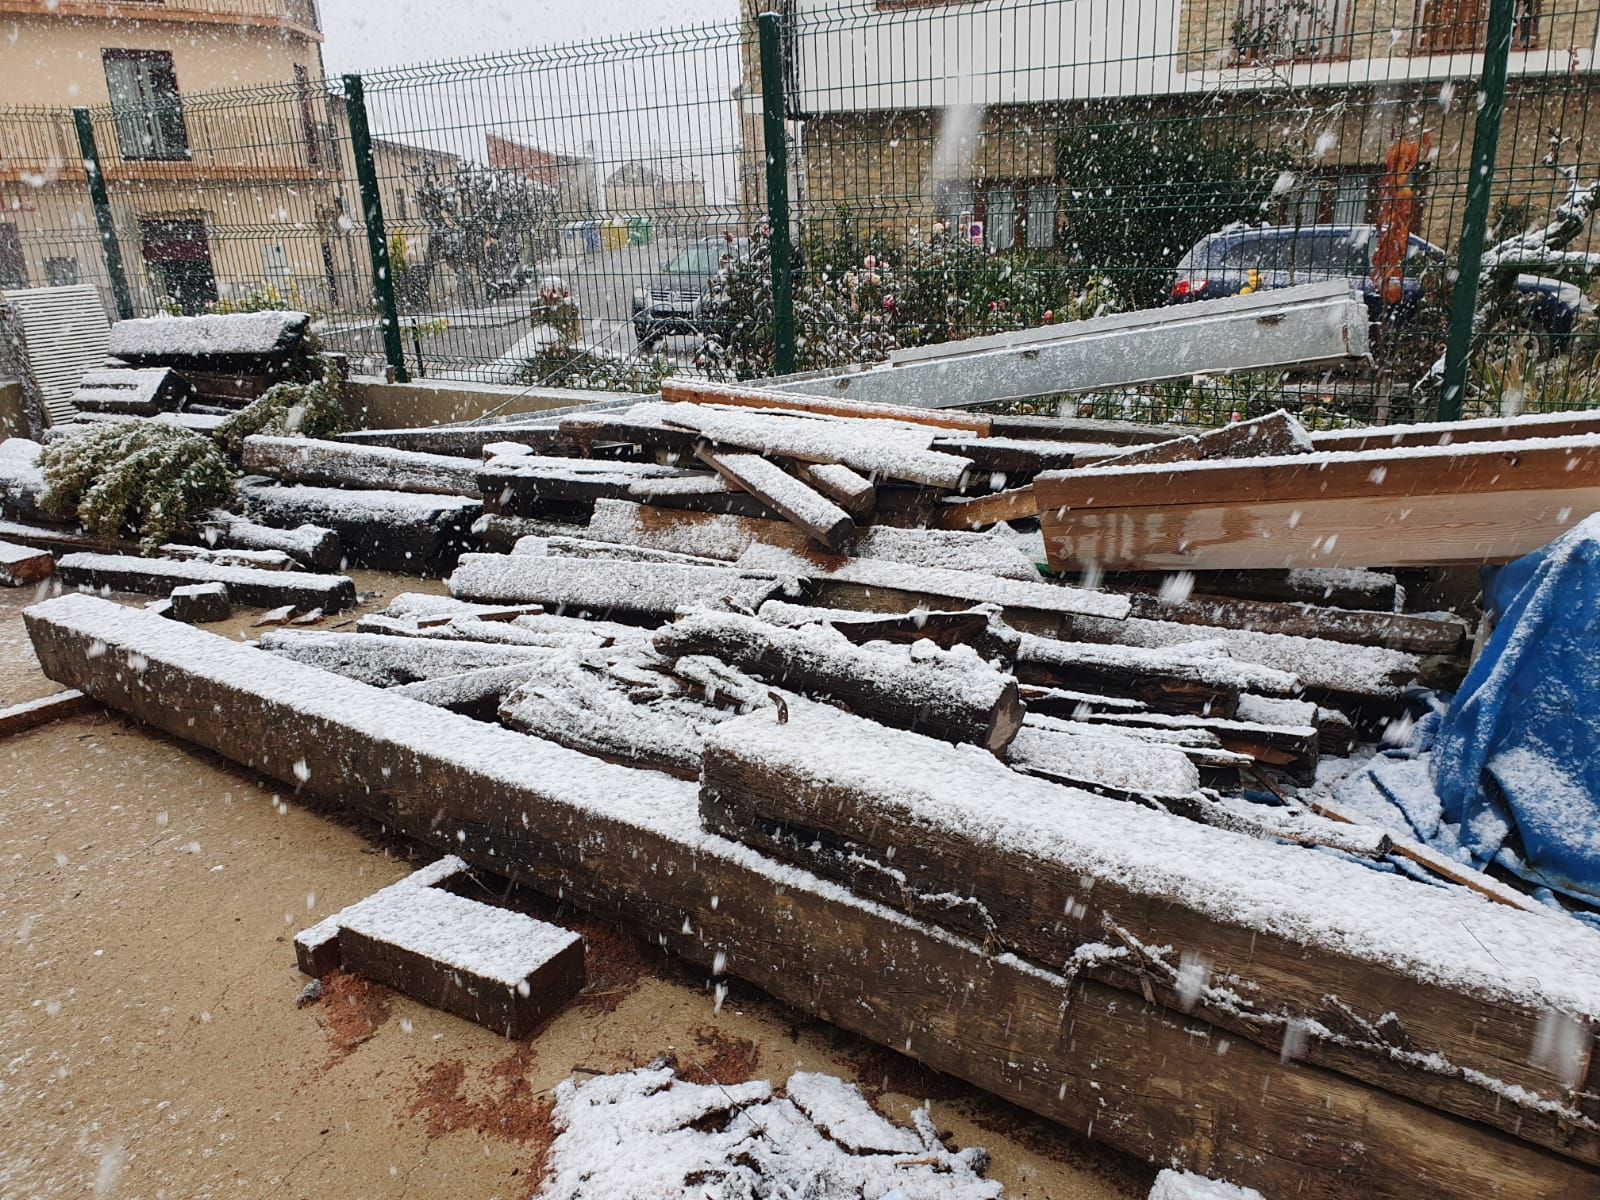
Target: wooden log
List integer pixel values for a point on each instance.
(852, 492)
(21, 480)
(258, 343)
(1171, 684)
(980, 628)
(1471, 504)
(386, 661)
(952, 698)
(477, 694)
(727, 537)
(20, 565)
(979, 512)
(1084, 429)
(309, 545)
(1397, 631)
(30, 714)
(1273, 435)
(651, 437)
(246, 585)
(499, 969)
(819, 518)
(700, 492)
(579, 547)
(342, 464)
(1390, 975)
(408, 532)
(499, 533)
(626, 590)
(1335, 673)
(628, 845)
(585, 709)
(703, 391)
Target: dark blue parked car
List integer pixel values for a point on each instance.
(1273, 256)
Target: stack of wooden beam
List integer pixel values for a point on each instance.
(731, 680)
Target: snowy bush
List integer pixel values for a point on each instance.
(145, 479)
(314, 409)
(484, 224)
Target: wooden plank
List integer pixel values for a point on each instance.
(530, 487)
(61, 539)
(20, 565)
(1537, 465)
(953, 699)
(628, 845)
(917, 825)
(819, 518)
(1339, 587)
(1014, 456)
(630, 590)
(703, 391)
(246, 585)
(1455, 433)
(30, 714)
(852, 492)
(1398, 631)
(343, 464)
(1272, 435)
(1292, 749)
(383, 660)
(1469, 529)
(979, 512)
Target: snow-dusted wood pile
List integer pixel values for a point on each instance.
(722, 681)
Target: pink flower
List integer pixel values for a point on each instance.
(1049, 316)
(888, 303)
(870, 261)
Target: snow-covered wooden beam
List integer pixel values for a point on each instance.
(1412, 506)
(415, 533)
(1406, 987)
(628, 845)
(246, 585)
(1298, 326)
(347, 465)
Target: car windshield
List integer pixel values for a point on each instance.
(1316, 252)
(700, 259)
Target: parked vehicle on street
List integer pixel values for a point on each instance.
(1256, 258)
(679, 300)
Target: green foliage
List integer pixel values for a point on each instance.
(315, 409)
(1138, 194)
(144, 479)
(1504, 381)
(579, 366)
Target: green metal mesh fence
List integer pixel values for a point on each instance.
(590, 215)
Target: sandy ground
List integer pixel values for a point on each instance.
(151, 1046)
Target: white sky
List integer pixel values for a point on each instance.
(366, 34)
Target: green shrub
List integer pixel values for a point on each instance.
(145, 479)
(315, 410)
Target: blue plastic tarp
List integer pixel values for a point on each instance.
(1516, 760)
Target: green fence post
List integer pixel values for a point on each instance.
(772, 113)
(120, 295)
(355, 100)
(1480, 183)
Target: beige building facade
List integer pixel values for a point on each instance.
(218, 194)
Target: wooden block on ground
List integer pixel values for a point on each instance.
(21, 565)
(496, 968)
(417, 533)
(200, 603)
(316, 948)
(30, 714)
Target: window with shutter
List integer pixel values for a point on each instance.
(145, 105)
